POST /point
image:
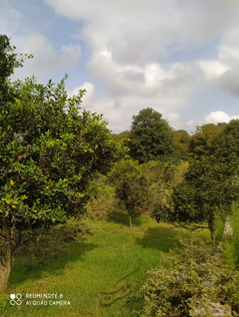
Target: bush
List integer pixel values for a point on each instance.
(175, 288)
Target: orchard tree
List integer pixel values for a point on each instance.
(47, 158)
(130, 187)
(151, 137)
(205, 194)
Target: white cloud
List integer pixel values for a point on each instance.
(45, 58)
(219, 116)
(72, 50)
(224, 72)
(148, 80)
(11, 20)
(88, 96)
(118, 111)
(174, 120)
(213, 69)
(127, 38)
(192, 124)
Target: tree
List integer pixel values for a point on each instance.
(181, 145)
(202, 139)
(162, 177)
(222, 124)
(47, 159)
(151, 137)
(130, 187)
(206, 193)
(227, 143)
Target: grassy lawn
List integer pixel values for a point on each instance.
(94, 275)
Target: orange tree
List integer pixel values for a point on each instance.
(47, 158)
(131, 187)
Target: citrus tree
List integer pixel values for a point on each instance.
(49, 150)
(130, 187)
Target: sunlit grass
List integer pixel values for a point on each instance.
(86, 269)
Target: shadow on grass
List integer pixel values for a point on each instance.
(162, 238)
(30, 268)
(121, 217)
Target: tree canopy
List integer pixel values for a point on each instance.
(205, 194)
(130, 187)
(151, 137)
(47, 156)
(202, 139)
(227, 142)
(181, 145)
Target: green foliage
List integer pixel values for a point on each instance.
(151, 137)
(181, 145)
(104, 203)
(206, 192)
(222, 124)
(48, 157)
(162, 177)
(202, 139)
(8, 63)
(4, 302)
(123, 137)
(227, 143)
(174, 288)
(130, 187)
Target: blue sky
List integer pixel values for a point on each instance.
(179, 57)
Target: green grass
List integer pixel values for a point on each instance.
(85, 270)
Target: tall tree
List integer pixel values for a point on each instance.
(151, 137)
(47, 159)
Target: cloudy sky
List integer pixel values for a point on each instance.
(179, 57)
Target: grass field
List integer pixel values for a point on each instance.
(96, 275)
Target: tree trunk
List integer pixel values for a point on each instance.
(212, 229)
(6, 267)
(4, 275)
(130, 222)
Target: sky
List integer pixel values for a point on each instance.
(179, 57)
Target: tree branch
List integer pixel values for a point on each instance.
(190, 229)
(3, 263)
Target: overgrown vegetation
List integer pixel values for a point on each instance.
(189, 276)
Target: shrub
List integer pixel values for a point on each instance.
(175, 288)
